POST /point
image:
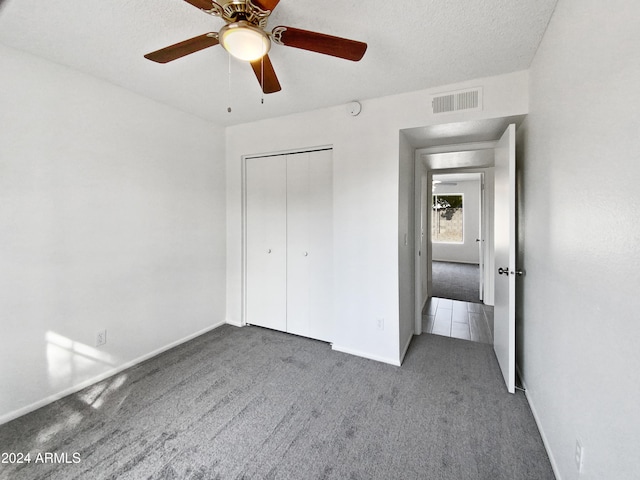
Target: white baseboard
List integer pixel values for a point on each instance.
(404, 350)
(545, 441)
(235, 324)
(358, 353)
(99, 378)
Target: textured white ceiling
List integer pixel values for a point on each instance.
(413, 44)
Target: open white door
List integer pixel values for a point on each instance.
(504, 338)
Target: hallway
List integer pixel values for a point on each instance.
(456, 319)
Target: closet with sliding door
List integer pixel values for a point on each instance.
(289, 243)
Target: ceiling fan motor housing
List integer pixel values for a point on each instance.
(232, 11)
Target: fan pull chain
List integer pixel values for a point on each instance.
(229, 93)
(262, 80)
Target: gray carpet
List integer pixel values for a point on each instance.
(458, 281)
(250, 403)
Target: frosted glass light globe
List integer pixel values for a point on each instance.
(244, 41)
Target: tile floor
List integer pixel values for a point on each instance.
(453, 318)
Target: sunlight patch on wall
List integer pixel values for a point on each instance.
(68, 360)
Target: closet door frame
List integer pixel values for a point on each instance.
(244, 159)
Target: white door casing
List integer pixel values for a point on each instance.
(505, 256)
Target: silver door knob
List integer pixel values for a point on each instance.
(505, 271)
(269, 251)
(306, 254)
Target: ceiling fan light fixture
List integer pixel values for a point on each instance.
(244, 41)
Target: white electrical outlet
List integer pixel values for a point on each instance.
(381, 324)
(101, 337)
(579, 456)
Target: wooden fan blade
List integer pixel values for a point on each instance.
(266, 4)
(203, 4)
(321, 43)
(266, 75)
(181, 49)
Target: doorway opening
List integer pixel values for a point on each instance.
(454, 211)
(487, 147)
(456, 217)
(458, 222)
(455, 306)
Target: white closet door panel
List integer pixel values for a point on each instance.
(310, 244)
(266, 242)
(297, 244)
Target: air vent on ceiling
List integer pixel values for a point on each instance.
(460, 100)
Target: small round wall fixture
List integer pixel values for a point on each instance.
(354, 108)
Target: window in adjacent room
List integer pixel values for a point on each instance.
(447, 218)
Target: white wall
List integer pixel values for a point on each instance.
(467, 251)
(579, 329)
(112, 216)
(366, 194)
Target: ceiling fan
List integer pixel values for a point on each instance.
(244, 36)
